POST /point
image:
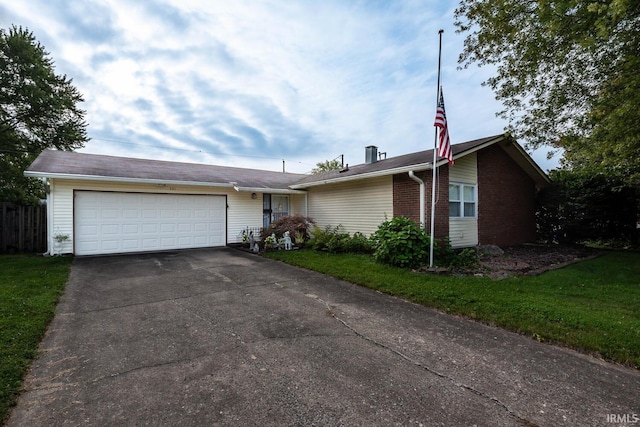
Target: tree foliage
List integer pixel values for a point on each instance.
(567, 74)
(587, 205)
(38, 110)
(326, 166)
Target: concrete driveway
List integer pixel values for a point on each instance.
(220, 337)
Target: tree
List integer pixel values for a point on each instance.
(38, 110)
(566, 73)
(326, 166)
(586, 205)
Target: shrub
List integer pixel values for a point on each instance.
(331, 239)
(586, 205)
(466, 258)
(335, 240)
(400, 242)
(297, 225)
(359, 244)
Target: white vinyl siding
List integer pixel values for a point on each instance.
(463, 231)
(297, 203)
(242, 212)
(356, 205)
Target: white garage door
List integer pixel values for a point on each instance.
(111, 222)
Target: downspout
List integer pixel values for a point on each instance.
(421, 182)
(49, 187)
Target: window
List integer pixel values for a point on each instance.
(280, 206)
(274, 207)
(462, 201)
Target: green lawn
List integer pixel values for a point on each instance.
(592, 306)
(29, 289)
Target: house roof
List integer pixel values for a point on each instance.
(73, 165)
(423, 160)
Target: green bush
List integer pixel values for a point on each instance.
(331, 239)
(335, 240)
(464, 259)
(583, 205)
(359, 244)
(400, 242)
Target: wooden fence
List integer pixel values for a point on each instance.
(22, 228)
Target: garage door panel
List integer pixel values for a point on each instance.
(111, 222)
(131, 213)
(109, 245)
(130, 244)
(130, 229)
(149, 228)
(148, 244)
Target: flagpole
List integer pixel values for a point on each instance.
(433, 165)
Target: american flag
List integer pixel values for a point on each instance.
(444, 144)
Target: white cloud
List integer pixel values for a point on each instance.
(257, 81)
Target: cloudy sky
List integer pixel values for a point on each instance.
(250, 83)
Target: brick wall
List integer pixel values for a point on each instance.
(406, 199)
(506, 200)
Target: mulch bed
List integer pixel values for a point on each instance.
(529, 260)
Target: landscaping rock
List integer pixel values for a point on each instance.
(491, 250)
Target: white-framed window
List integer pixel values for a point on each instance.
(462, 201)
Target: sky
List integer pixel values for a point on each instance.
(253, 83)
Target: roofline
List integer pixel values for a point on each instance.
(154, 181)
(384, 172)
(428, 166)
(268, 190)
(482, 146)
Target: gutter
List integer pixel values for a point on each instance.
(384, 172)
(422, 196)
(160, 182)
(267, 190)
(123, 179)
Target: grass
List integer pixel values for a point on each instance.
(29, 289)
(592, 306)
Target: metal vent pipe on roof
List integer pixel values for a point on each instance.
(371, 154)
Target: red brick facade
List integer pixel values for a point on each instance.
(506, 200)
(406, 199)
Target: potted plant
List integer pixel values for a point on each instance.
(59, 238)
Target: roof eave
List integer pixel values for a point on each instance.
(384, 172)
(268, 190)
(51, 175)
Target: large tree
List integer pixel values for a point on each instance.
(38, 110)
(566, 73)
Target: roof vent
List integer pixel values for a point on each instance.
(371, 154)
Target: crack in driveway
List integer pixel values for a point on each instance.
(451, 379)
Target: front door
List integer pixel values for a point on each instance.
(274, 207)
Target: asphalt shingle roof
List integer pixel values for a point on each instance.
(406, 160)
(92, 165)
(65, 163)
